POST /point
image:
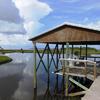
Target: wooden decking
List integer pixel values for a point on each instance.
(94, 92)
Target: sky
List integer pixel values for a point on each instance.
(21, 20)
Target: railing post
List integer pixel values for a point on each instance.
(85, 69)
(94, 71)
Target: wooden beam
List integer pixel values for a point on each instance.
(77, 93)
(52, 56)
(69, 74)
(41, 60)
(78, 84)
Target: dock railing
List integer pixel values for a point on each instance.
(78, 68)
(78, 65)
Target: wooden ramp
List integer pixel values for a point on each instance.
(94, 92)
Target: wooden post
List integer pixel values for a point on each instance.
(48, 65)
(67, 69)
(85, 69)
(80, 51)
(63, 67)
(86, 51)
(57, 61)
(35, 77)
(72, 50)
(94, 71)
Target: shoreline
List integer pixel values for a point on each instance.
(4, 59)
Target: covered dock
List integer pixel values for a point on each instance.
(60, 36)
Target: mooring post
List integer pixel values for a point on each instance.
(35, 76)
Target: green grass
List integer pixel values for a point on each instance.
(4, 59)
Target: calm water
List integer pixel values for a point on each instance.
(16, 79)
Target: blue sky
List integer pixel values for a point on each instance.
(23, 19)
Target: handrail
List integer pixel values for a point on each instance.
(78, 60)
(83, 61)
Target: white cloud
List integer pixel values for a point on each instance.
(14, 39)
(94, 25)
(8, 12)
(32, 11)
(11, 28)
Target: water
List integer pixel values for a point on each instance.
(16, 79)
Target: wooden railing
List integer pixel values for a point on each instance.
(82, 65)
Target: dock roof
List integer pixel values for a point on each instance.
(74, 34)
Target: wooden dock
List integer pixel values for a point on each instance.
(94, 92)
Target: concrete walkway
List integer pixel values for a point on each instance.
(94, 92)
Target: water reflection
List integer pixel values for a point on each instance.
(16, 80)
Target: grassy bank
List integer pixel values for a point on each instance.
(4, 59)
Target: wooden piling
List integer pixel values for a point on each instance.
(35, 76)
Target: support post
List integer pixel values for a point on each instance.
(35, 76)
(80, 51)
(72, 50)
(63, 67)
(57, 61)
(95, 71)
(86, 51)
(67, 69)
(48, 64)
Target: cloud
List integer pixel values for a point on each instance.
(32, 11)
(20, 19)
(14, 39)
(11, 28)
(94, 25)
(8, 12)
